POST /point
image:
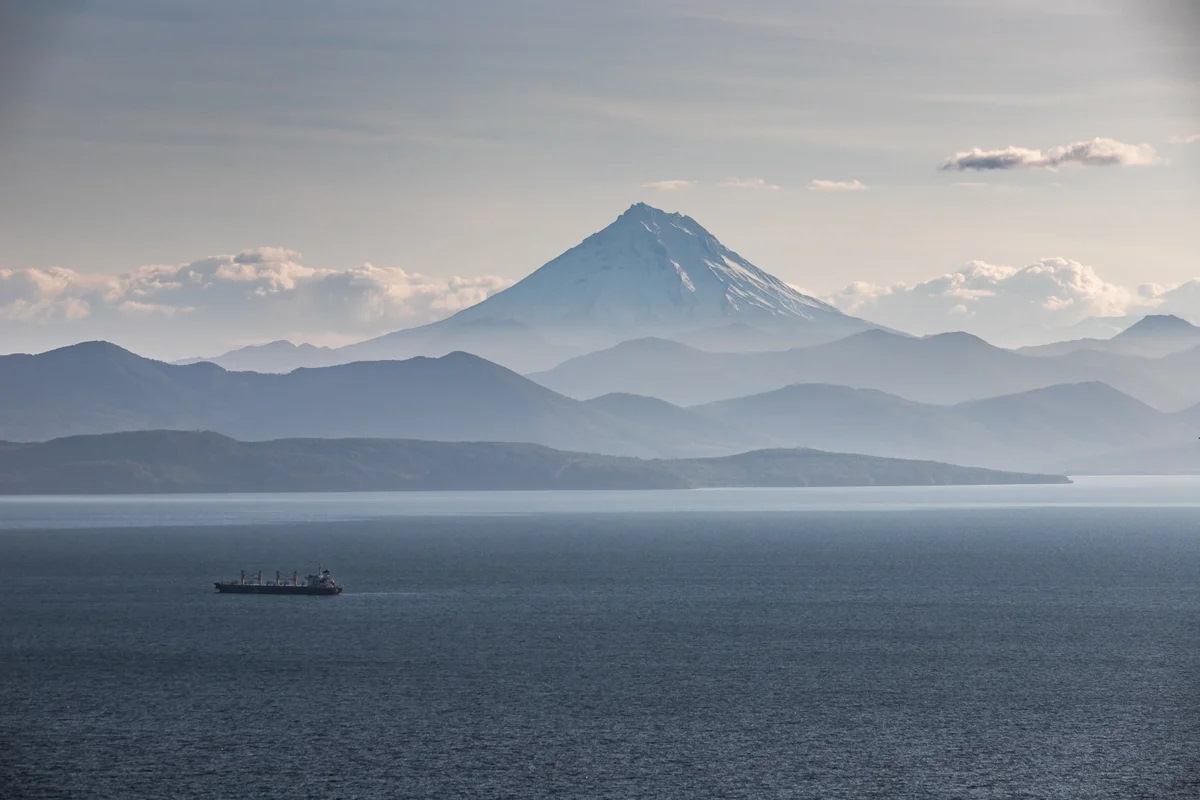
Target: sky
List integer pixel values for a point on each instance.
(184, 177)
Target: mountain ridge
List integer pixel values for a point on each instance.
(1044, 428)
(943, 368)
(197, 461)
(99, 388)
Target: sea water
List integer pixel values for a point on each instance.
(991, 642)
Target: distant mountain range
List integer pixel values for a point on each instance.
(945, 368)
(180, 461)
(99, 388)
(649, 273)
(1048, 428)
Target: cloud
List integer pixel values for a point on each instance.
(747, 183)
(818, 185)
(1193, 139)
(669, 186)
(216, 302)
(1006, 305)
(1182, 299)
(731, 183)
(1097, 152)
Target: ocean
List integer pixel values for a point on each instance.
(930, 642)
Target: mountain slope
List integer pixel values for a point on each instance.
(1067, 422)
(508, 342)
(659, 368)
(650, 270)
(827, 417)
(178, 461)
(680, 431)
(96, 387)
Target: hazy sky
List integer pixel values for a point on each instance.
(828, 141)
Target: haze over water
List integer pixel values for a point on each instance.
(930, 642)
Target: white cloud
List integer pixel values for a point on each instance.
(819, 185)
(1193, 139)
(1182, 299)
(255, 295)
(747, 183)
(1006, 305)
(669, 186)
(1097, 152)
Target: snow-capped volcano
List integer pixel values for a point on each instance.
(649, 271)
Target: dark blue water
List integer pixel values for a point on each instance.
(950, 652)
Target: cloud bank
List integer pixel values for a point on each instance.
(1013, 306)
(1193, 139)
(747, 183)
(1097, 152)
(669, 186)
(206, 306)
(818, 185)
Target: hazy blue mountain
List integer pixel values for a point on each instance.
(1165, 382)
(176, 461)
(271, 357)
(737, 337)
(1184, 365)
(649, 273)
(828, 417)
(99, 388)
(1063, 423)
(1190, 415)
(661, 368)
(1153, 336)
(944, 368)
(1038, 429)
(680, 431)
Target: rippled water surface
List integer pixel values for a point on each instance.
(934, 643)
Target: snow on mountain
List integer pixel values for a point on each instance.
(649, 271)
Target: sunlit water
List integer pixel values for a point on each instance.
(240, 509)
(955, 642)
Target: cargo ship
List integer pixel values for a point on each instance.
(321, 583)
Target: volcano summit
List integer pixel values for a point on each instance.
(648, 272)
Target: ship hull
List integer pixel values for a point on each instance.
(255, 588)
